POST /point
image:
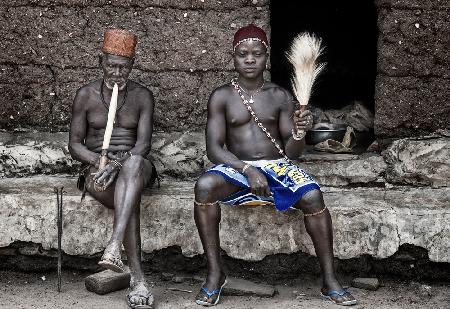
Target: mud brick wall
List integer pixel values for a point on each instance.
(413, 82)
(50, 48)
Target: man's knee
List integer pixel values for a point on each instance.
(311, 201)
(133, 166)
(206, 187)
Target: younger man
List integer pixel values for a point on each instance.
(257, 122)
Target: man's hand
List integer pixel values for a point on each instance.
(120, 157)
(106, 176)
(95, 162)
(303, 120)
(257, 181)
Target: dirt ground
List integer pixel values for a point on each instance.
(32, 290)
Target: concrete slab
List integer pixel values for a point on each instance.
(373, 221)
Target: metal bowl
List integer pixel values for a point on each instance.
(323, 131)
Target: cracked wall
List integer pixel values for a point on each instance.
(50, 48)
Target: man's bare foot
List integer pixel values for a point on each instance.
(140, 295)
(111, 258)
(333, 291)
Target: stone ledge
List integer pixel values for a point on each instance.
(176, 154)
(411, 161)
(419, 161)
(373, 221)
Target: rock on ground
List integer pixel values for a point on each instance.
(366, 283)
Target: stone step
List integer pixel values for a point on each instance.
(421, 161)
(373, 221)
(180, 155)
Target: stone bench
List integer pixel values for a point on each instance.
(367, 220)
(378, 202)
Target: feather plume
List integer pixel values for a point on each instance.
(305, 50)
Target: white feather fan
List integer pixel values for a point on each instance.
(305, 50)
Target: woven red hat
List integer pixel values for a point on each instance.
(119, 42)
(250, 33)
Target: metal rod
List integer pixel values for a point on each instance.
(59, 219)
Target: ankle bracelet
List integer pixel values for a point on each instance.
(316, 213)
(206, 204)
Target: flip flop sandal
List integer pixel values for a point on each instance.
(114, 264)
(149, 297)
(209, 301)
(328, 296)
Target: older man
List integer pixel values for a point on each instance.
(119, 185)
(257, 122)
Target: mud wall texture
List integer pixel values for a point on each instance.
(413, 82)
(51, 47)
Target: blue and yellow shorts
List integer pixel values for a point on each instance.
(287, 182)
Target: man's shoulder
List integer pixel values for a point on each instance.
(140, 95)
(137, 87)
(279, 93)
(221, 94)
(89, 87)
(223, 90)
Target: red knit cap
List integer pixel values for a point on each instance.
(119, 42)
(249, 33)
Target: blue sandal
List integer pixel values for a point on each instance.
(208, 297)
(329, 296)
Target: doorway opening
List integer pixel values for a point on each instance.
(349, 33)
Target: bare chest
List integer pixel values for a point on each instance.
(237, 114)
(127, 114)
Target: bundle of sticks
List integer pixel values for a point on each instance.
(303, 55)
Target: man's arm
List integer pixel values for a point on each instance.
(216, 129)
(78, 127)
(216, 132)
(291, 119)
(145, 124)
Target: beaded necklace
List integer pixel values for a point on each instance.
(256, 119)
(251, 101)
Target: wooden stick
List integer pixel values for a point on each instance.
(59, 219)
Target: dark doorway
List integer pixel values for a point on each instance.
(349, 32)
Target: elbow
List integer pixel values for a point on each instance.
(146, 149)
(294, 155)
(212, 156)
(74, 151)
(71, 148)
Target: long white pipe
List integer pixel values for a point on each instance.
(111, 116)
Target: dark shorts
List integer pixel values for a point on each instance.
(85, 176)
